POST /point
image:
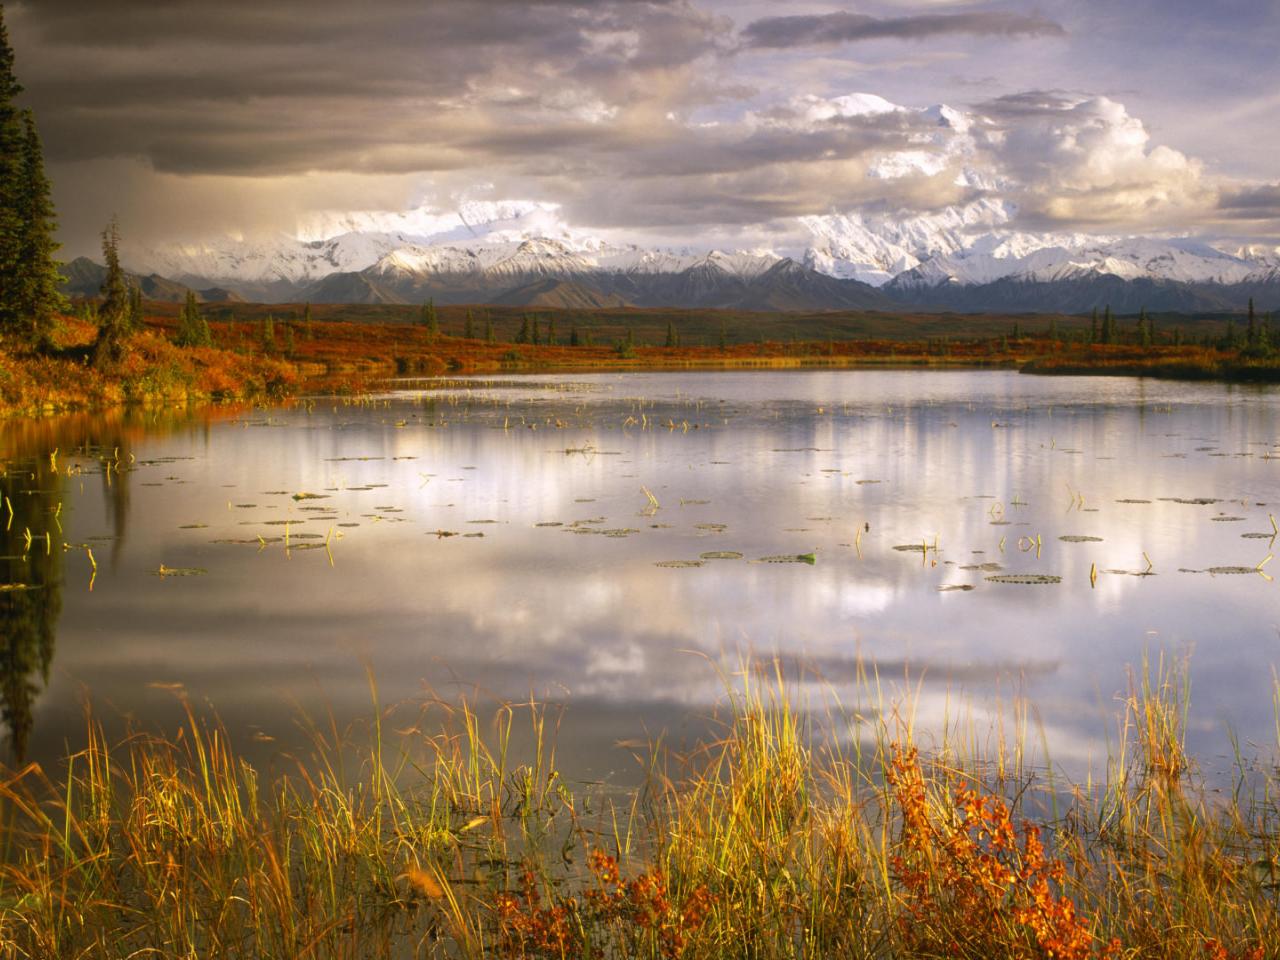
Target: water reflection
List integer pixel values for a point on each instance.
(498, 537)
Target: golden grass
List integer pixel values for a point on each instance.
(789, 836)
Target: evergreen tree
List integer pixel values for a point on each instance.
(574, 340)
(671, 335)
(631, 338)
(1053, 329)
(489, 336)
(1093, 327)
(551, 332)
(537, 334)
(1251, 337)
(267, 334)
(1264, 336)
(288, 340)
(1017, 330)
(525, 330)
(12, 151)
(37, 298)
(1109, 333)
(192, 329)
(135, 308)
(724, 335)
(469, 330)
(113, 313)
(1144, 329)
(307, 327)
(1229, 338)
(430, 320)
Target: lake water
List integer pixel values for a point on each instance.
(535, 536)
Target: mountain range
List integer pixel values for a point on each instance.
(965, 259)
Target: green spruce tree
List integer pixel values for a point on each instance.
(307, 322)
(574, 339)
(37, 297)
(192, 330)
(526, 330)
(1093, 327)
(671, 335)
(267, 334)
(489, 336)
(537, 333)
(113, 312)
(469, 327)
(551, 332)
(12, 227)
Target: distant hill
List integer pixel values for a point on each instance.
(564, 294)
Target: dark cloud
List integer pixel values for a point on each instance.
(844, 27)
(293, 85)
(1261, 202)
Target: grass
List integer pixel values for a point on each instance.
(350, 349)
(795, 833)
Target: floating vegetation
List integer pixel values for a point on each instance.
(1132, 500)
(1192, 501)
(921, 547)
(951, 587)
(693, 503)
(1079, 538)
(1026, 579)
(164, 571)
(863, 483)
(808, 558)
(989, 567)
(310, 496)
(1230, 571)
(15, 587)
(678, 564)
(441, 534)
(1258, 536)
(193, 526)
(549, 523)
(712, 527)
(720, 555)
(1226, 519)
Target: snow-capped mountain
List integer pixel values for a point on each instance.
(484, 249)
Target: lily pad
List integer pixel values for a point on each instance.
(164, 571)
(808, 558)
(678, 564)
(1027, 579)
(721, 555)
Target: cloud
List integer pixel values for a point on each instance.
(1084, 161)
(844, 27)
(1254, 202)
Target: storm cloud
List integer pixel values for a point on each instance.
(685, 118)
(833, 28)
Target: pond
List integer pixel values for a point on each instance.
(617, 543)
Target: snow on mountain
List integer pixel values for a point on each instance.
(969, 244)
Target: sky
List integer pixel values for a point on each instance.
(718, 122)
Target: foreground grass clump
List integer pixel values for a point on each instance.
(782, 838)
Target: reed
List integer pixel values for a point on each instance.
(794, 832)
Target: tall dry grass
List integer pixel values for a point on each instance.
(796, 833)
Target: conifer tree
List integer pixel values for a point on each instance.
(38, 298)
(551, 332)
(489, 336)
(135, 308)
(1251, 336)
(1108, 326)
(525, 330)
(1053, 329)
(1144, 329)
(192, 329)
(671, 335)
(267, 334)
(537, 333)
(724, 335)
(1093, 327)
(469, 329)
(574, 339)
(307, 323)
(288, 340)
(113, 313)
(12, 148)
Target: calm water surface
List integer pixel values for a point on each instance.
(515, 537)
